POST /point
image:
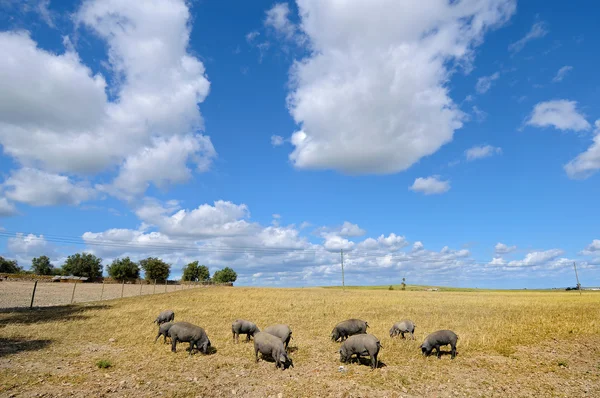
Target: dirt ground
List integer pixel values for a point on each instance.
(510, 344)
(18, 294)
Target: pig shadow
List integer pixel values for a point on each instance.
(366, 361)
(210, 351)
(442, 353)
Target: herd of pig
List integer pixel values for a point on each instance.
(273, 341)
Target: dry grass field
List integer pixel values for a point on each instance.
(515, 344)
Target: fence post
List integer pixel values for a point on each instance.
(154, 291)
(73, 294)
(165, 285)
(33, 294)
(102, 292)
(141, 287)
(122, 288)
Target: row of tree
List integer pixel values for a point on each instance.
(121, 269)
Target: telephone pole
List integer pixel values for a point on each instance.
(343, 283)
(577, 277)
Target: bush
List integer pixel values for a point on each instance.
(225, 275)
(103, 363)
(9, 266)
(123, 269)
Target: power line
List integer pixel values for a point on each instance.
(396, 255)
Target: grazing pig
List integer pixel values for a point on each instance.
(347, 328)
(165, 316)
(361, 345)
(282, 331)
(186, 332)
(271, 345)
(164, 330)
(404, 326)
(438, 339)
(241, 326)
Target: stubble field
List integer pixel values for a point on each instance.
(510, 344)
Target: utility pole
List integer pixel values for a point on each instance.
(343, 283)
(577, 277)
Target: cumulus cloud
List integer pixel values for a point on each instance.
(501, 248)
(562, 72)
(376, 100)
(561, 114)
(38, 188)
(592, 249)
(55, 113)
(222, 219)
(537, 31)
(586, 163)
(7, 208)
(485, 83)
(480, 152)
(163, 163)
(276, 140)
(430, 185)
(278, 18)
(25, 247)
(536, 258)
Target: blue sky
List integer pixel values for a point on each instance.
(451, 144)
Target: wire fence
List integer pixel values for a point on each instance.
(43, 293)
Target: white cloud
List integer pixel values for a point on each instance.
(278, 19)
(26, 247)
(480, 115)
(482, 151)
(501, 248)
(251, 36)
(376, 100)
(349, 229)
(536, 258)
(276, 140)
(38, 188)
(430, 185)
(418, 246)
(538, 30)
(497, 261)
(7, 208)
(56, 115)
(485, 83)
(561, 114)
(221, 220)
(164, 163)
(592, 248)
(562, 72)
(588, 162)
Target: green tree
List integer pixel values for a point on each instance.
(155, 268)
(41, 266)
(83, 264)
(194, 272)
(225, 275)
(123, 269)
(9, 266)
(203, 273)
